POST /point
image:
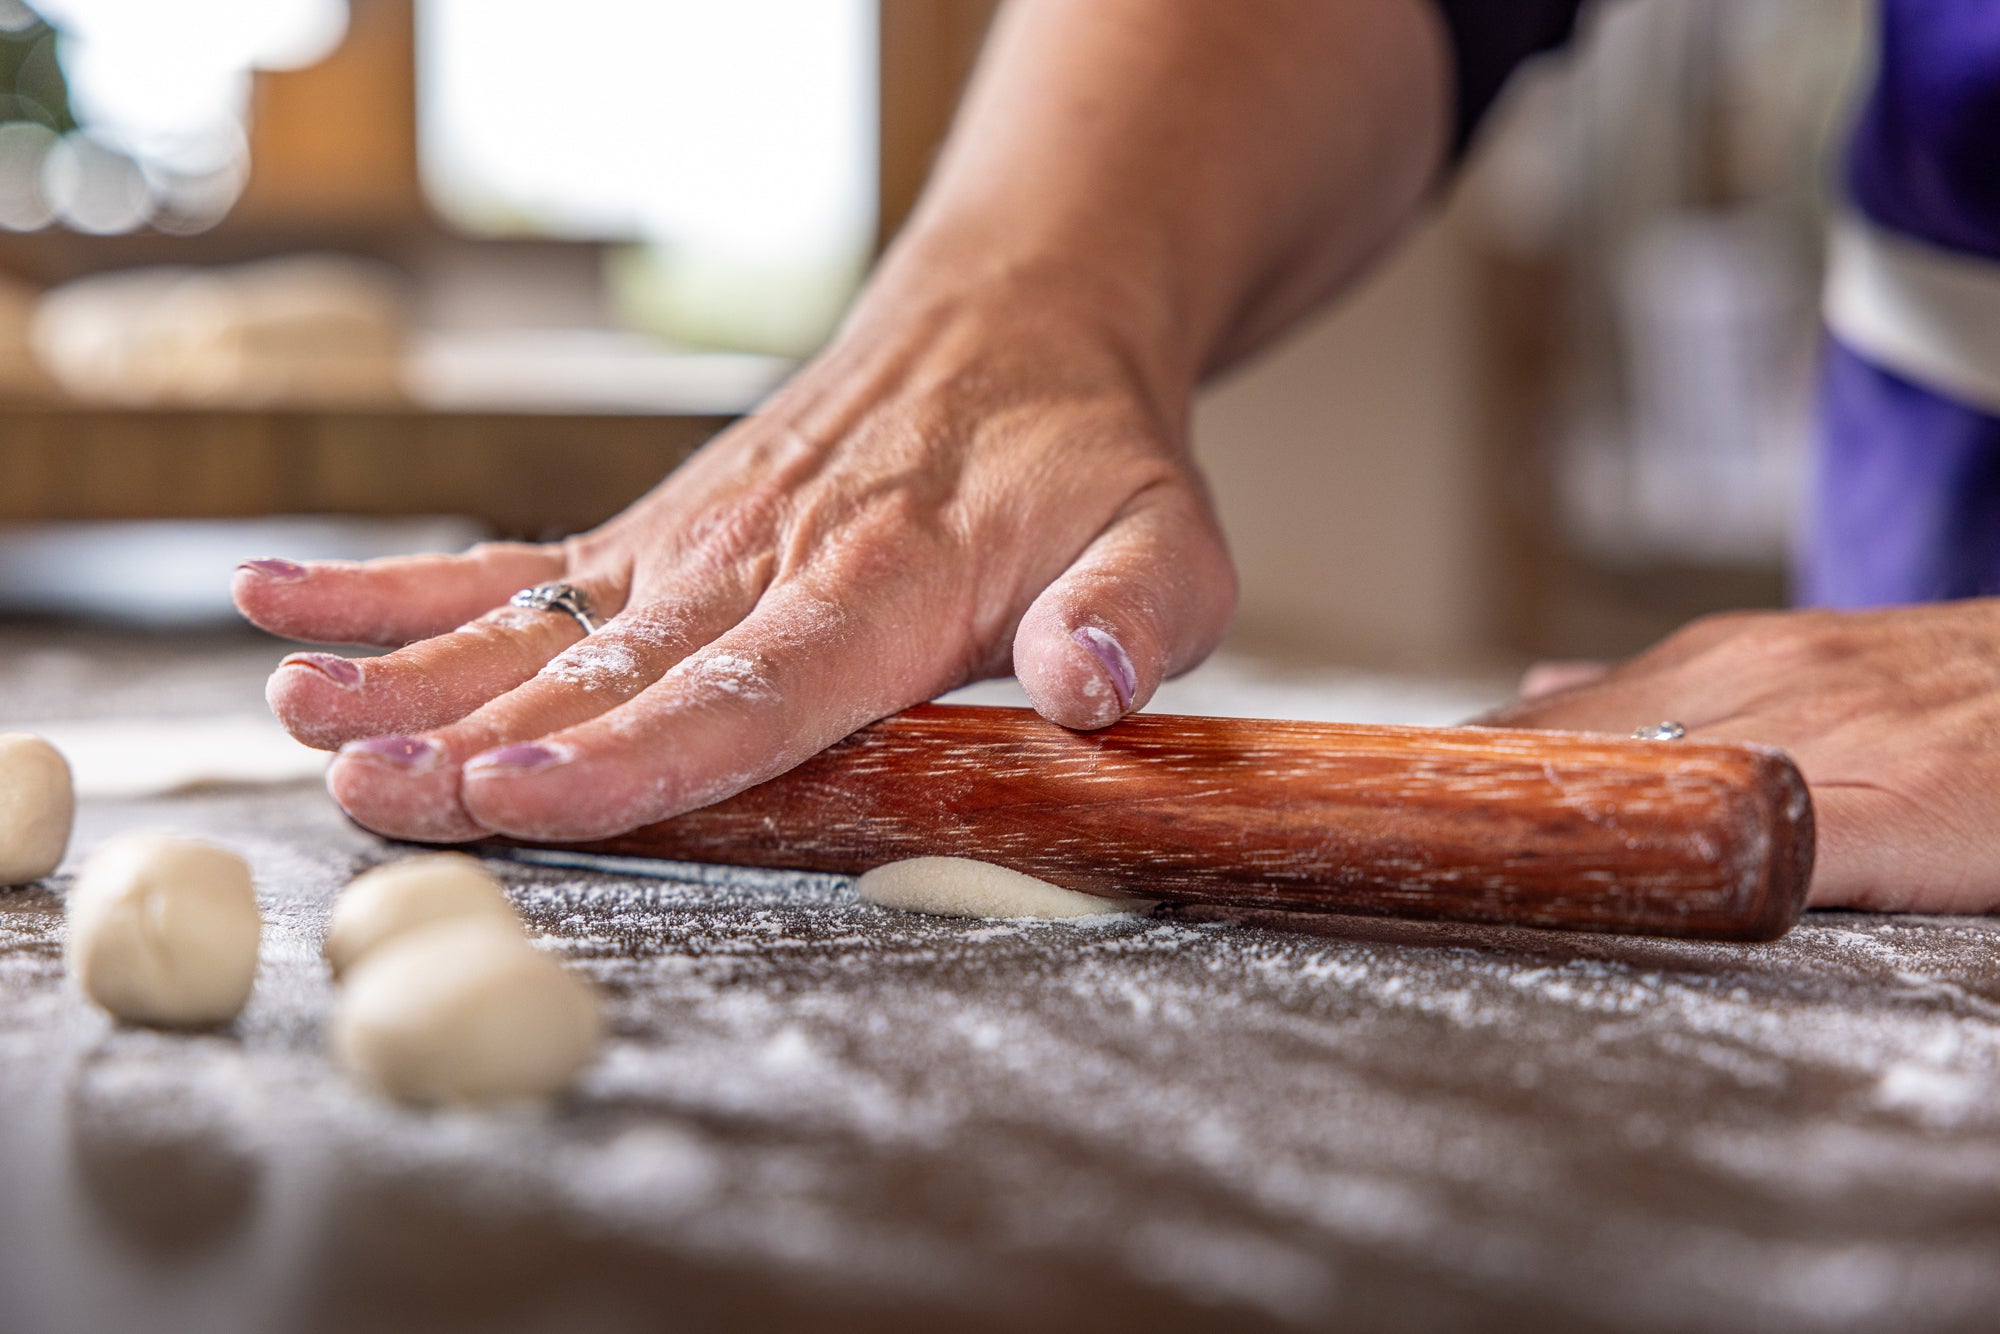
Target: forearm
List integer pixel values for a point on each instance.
(1188, 175)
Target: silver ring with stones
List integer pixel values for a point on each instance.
(565, 598)
(1666, 731)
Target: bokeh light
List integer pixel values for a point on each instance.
(93, 187)
(24, 147)
(141, 105)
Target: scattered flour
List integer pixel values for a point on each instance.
(1303, 1125)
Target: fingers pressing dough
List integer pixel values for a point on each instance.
(163, 930)
(37, 807)
(961, 887)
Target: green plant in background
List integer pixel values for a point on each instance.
(32, 80)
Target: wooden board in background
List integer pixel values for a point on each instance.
(527, 475)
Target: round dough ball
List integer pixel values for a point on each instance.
(962, 887)
(464, 1011)
(383, 903)
(37, 805)
(163, 930)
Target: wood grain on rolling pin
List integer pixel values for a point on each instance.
(1553, 829)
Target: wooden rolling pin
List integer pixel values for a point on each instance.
(1552, 829)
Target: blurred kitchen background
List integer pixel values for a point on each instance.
(347, 277)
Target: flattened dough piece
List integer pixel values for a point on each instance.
(465, 1010)
(163, 930)
(962, 887)
(383, 903)
(37, 807)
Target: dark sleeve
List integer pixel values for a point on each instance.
(1488, 39)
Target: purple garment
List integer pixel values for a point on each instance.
(1925, 156)
(1906, 503)
(1906, 499)
(1906, 506)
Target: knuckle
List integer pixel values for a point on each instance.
(730, 533)
(583, 551)
(1767, 642)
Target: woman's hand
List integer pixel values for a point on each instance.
(923, 507)
(991, 462)
(1892, 716)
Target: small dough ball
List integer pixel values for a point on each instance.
(962, 887)
(37, 805)
(383, 903)
(465, 1011)
(163, 930)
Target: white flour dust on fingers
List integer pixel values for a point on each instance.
(592, 666)
(720, 673)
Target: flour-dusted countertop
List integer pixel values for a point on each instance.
(818, 1114)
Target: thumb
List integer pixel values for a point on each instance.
(1149, 598)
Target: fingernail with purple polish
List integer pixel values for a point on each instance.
(273, 568)
(526, 755)
(335, 668)
(1111, 655)
(409, 752)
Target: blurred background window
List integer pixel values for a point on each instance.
(729, 150)
(385, 263)
(734, 145)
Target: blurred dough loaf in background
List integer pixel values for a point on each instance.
(21, 375)
(300, 329)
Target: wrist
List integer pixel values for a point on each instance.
(1071, 313)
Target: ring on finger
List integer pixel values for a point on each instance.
(558, 596)
(1662, 731)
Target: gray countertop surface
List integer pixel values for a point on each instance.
(813, 1113)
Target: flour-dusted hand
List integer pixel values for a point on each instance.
(914, 512)
(1892, 716)
(988, 468)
